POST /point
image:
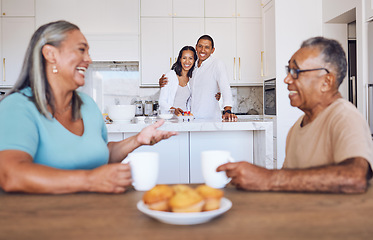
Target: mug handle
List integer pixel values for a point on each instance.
(230, 159)
(127, 160)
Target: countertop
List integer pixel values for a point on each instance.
(254, 215)
(248, 122)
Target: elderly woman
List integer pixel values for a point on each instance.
(329, 148)
(54, 139)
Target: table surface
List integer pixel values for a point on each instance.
(254, 215)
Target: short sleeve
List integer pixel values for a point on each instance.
(18, 128)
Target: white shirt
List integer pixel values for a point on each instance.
(182, 97)
(208, 79)
(168, 92)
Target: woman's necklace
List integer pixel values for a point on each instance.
(183, 81)
(62, 111)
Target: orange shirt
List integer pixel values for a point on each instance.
(338, 133)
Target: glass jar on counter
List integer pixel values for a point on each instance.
(148, 108)
(139, 108)
(155, 108)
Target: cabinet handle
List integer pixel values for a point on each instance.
(3, 69)
(234, 68)
(261, 64)
(170, 62)
(239, 68)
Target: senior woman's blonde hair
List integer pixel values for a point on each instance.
(33, 73)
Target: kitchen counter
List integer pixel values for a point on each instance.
(249, 122)
(249, 139)
(253, 215)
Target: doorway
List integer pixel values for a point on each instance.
(351, 61)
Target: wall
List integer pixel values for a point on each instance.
(296, 21)
(343, 12)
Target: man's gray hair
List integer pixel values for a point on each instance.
(33, 72)
(332, 53)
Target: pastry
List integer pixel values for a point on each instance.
(181, 188)
(212, 197)
(157, 198)
(186, 201)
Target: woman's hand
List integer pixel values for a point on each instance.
(151, 135)
(178, 111)
(110, 178)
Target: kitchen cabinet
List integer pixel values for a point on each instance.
(173, 156)
(237, 37)
(18, 8)
(268, 67)
(235, 8)
(16, 33)
(238, 42)
(161, 41)
(180, 155)
(111, 27)
(156, 49)
(238, 143)
(172, 8)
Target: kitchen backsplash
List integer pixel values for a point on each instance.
(119, 83)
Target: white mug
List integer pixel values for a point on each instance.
(144, 169)
(210, 161)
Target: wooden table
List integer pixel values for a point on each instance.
(253, 216)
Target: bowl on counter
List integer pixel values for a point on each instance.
(121, 113)
(166, 114)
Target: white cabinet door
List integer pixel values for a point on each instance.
(18, 8)
(173, 158)
(92, 16)
(158, 8)
(238, 143)
(248, 8)
(269, 41)
(249, 45)
(191, 8)
(15, 36)
(156, 49)
(223, 32)
(186, 32)
(220, 8)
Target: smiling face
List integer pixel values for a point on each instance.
(72, 59)
(204, 50)
(305, 92)
(187, 60)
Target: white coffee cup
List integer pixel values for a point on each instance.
(210, 161)
(144, 169)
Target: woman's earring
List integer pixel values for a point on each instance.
(55, 69)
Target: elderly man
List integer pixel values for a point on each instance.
(329, 148)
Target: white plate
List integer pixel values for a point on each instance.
(185, 218)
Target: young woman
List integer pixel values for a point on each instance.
(176, 94)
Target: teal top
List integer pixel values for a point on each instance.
(23, 128)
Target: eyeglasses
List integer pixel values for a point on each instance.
(295, 72)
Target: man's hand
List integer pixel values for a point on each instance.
(246, 175)
(218, 96)
(163, 81)
(228, 116)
